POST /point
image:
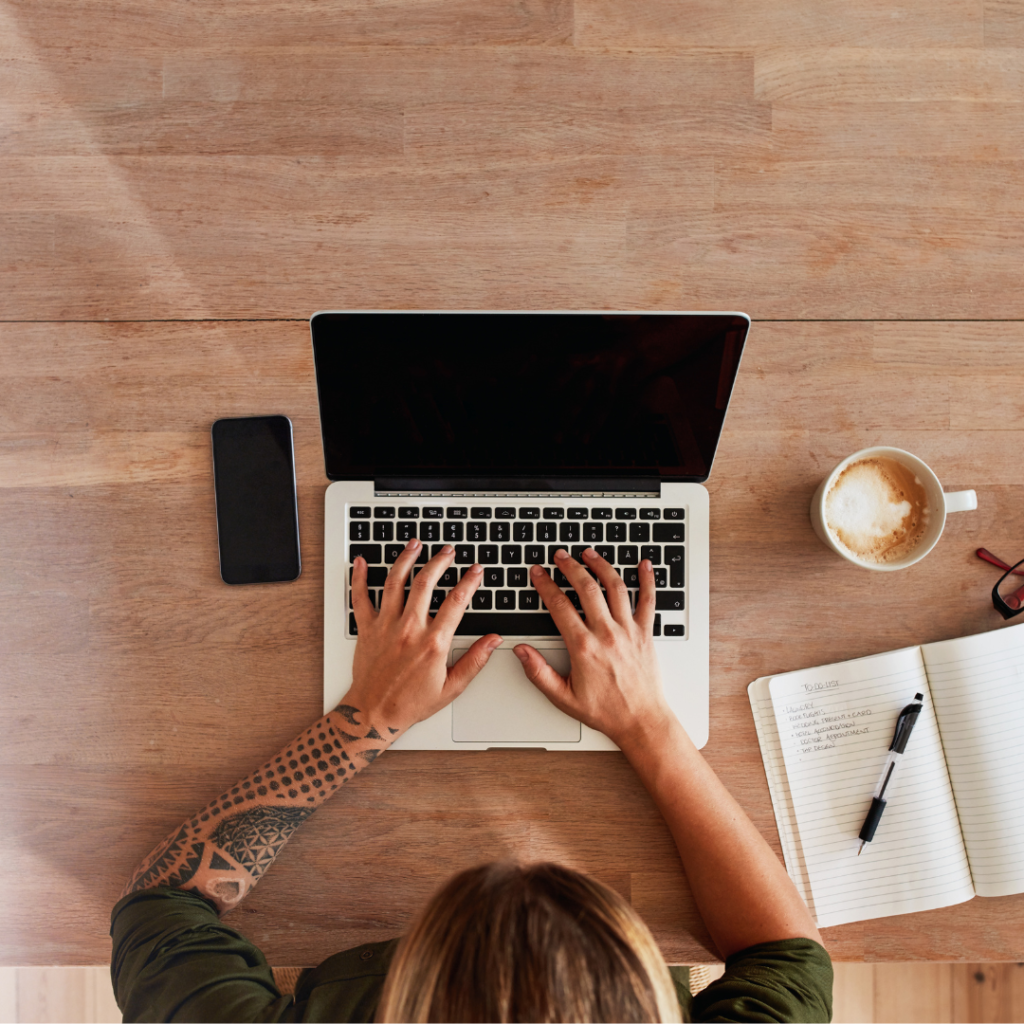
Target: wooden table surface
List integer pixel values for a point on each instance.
(182, 184)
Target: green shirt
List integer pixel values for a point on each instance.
(175, 960)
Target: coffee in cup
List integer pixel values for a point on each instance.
(877, 509)
(883, 508)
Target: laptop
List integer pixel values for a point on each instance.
(509, 435)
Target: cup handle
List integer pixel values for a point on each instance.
(961, 501)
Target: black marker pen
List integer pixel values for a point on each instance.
(904, 727)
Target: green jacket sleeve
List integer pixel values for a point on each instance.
(173, 960)
(789, 980)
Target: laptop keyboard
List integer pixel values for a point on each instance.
(508, 539)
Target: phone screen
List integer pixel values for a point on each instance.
(257, 511)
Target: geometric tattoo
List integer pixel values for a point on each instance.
(255, 837)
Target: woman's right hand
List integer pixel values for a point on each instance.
(614, 683)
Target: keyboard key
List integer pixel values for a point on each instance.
(482, 602)
(352, 631)
(359, 512)
(639, 533)
(669, 600)
(661, 578)
(449, 577)
(518, 577)
(487, 554)
(652, 553)
(392, 551)
(507, 624)
(675, 629)
(650, 513)
(552, 548)
(593, 532)
(435, 549)
(606, 551)
(358, 531)
(430, 531)
(529, 601)
(554, 513)
(576, 551)
(615, 532)
(433, 512)
(494, 577)
(533, 554)
(458, 512)
(465, 554)
(505, 600)
(675, 513)
(576, 513)
(436, 600)
(371, 552)
(668, 533)
(501, 532)
(511, 554)
(600, 513)
(479, 512)
(560, 578)
(568, 532)
(422, 559)
(452, 532)
(375, 575)
(504, 513)
(476, 531)
(529, 513)
(403, 531)
(657, 624)
(675, 557)
(575, 598)
(522, 531)
(408, 513)
(625, 513)
(631, 577)
(383, 531)
(547, 531)
(383, 512)
(629, 554)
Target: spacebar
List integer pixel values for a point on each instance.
(510, 624)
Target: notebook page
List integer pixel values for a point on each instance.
(835, 724)
(778, 786)
(977, 684)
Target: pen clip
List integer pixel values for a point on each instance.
(905, 724)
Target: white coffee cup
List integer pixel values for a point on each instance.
(939, 503)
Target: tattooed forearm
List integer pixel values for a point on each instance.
(224, 849)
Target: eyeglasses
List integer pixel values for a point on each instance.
(1008, 593)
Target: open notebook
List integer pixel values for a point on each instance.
(953, 827)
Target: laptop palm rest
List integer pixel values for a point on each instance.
(502, 706)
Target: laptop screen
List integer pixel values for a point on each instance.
(454, 397)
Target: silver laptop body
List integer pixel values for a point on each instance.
(652, 366)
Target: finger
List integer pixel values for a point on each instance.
(425, 581)
(644, 617)
(594, 604)
(567, 619)
(393, 598)
(618, 595)
(454, 605)
(541, 674)
(362, 606)
(465, 670)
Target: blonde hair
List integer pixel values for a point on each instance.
(507, 942)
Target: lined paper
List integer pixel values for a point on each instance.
(977, 684)
(834, 725)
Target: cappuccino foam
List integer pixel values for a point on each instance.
(877, 509)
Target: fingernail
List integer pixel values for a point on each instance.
(561, 553)
(475, 569)
(447, 549)
(536, 571)
(521, 655)
(495, 644)
(589, 553)
(414, 543)
(646, 564)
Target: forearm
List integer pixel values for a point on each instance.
(223, 850)
(741, 888)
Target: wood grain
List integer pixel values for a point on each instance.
(136, 683)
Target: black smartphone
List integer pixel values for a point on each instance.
(257, 510)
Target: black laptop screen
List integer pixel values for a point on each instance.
(451, 396)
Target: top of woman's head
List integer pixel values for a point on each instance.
(506, 942)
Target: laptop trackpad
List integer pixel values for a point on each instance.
(502, 706)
